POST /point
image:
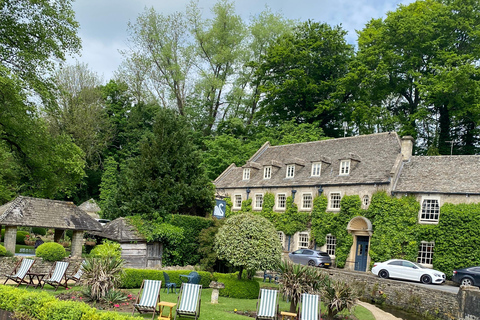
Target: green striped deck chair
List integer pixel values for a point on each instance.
(57, 275)
(76, 277)
(310, 307)
(189, 299)
(267, 304)
(21, 269)
(148, 298)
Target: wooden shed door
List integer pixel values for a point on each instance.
(154, 254)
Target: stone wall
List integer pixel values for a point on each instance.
(402, 294)
(469, 300)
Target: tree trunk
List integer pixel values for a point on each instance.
(240, 273)
(444, 146)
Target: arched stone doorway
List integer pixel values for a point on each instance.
(361, 230)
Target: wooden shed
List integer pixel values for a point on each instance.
(136, 251)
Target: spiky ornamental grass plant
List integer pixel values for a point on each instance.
(338, 295)
(297, 279)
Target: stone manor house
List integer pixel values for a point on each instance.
(360, 165)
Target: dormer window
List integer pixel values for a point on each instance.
(290, 171)
(246, 174)
(267, 172)
(316, 169)
(344, 167)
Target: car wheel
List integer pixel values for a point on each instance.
(383, 274)
(311, 263)
(466, 282)
(426, 279)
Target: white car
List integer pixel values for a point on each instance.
(407, 270)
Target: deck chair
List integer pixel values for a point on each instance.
(76, 277)
(148, 298)
(21, 269)
(189, 299)
(267, 304)
(169, 285)
(309, 307)
(57, 275)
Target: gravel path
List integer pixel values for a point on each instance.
(378, 313)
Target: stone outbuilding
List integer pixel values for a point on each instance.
(136, 251)
(45, 213)
(91, 207)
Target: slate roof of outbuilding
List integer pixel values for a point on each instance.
(372, 159)
(90, 206)
(440, 174)
(45, 213)
(120, 230)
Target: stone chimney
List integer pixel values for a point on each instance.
(407, 147)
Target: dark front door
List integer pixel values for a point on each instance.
(361, 254)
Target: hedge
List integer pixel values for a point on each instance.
(235, 288)
(42, 306)
(132, 278)
(21, 237)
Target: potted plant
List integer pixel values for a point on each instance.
(65, 242)
(90, 242)
(29, 240)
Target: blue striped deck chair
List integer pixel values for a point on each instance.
(148, 298)
(309, 307)
(57, 275)
(76, 277)
(267, 304)
(189, 299)
(21, 269)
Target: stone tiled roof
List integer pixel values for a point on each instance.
(45, 213)
(440, 174)
(120, 230)
(373, 158)
(90, 206)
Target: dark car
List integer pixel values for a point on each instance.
(310, 257)
(467, 276)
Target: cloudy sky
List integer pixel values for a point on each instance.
(103, 24)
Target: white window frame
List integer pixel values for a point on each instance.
(281, 237)
(246, 173)
(331, 201)
(330, 244)
(257, 195)
(425, 253)
(235, 203)
(366, 201)
(310, 200)
(428, 216)
(267, 172)
(290, 171)
(302, 243)
(316, 169)
(344, 167)
(277, 203)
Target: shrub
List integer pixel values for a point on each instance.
(21, 237)
(239, 289)
(3, 251)
(132, 278)
(51, 251)
(101, 275)
(39, 231)
(107, 249)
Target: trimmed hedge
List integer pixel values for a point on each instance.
(3, 251)
(39, 231)
(21, 237)
(51, 251)
(132, 278)
(42, 306)
(239, 289)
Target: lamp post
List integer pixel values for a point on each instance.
(293, 194)
(248, 192)
(320, 190)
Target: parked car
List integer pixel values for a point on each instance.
(407, 270)
(467, 276)
(310, 257)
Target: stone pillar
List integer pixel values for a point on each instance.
(10, 238)
(77, 242)
(58, 235)
(215, 292)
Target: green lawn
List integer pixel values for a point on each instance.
(224, 310)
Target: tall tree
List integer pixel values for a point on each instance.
(301, 71)
(34, 35)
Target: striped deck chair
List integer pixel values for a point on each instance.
(76, 277)
(57, 275)
(20, 271)
(148, 298)
(189, 299)
(310, 307)
(267, 304)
